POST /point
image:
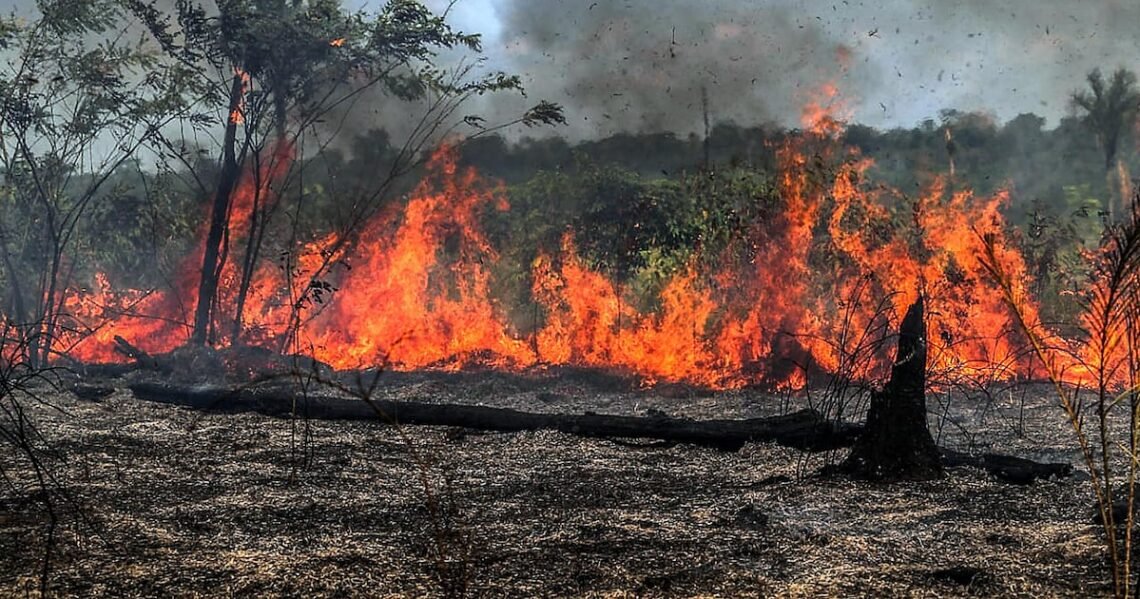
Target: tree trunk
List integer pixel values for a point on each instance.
(896, 443)
(219, 218)
(249, 258)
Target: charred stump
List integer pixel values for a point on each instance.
(896, 442)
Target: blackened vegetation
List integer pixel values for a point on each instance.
(187, 501)
(896, 444)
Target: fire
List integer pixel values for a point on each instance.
(160, 321)
(237, 112)
(403, 304)
(590, 322)
(336, 43)
(418, 293)
(819, 113)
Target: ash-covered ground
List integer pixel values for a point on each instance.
(159, 500)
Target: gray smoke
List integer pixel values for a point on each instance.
(640, 64)
(644, 66)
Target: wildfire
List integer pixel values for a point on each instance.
(419, 291)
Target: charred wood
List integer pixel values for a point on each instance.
(896, 444)
(1010, 469)
(805, 429)
(140, 357)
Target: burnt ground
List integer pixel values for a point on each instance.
(170, 502)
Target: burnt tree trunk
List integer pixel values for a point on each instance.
(896, 442)
(219, 221)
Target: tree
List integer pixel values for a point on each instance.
(1109, 107)
(72, 112)
(286, 67)
(76, 103)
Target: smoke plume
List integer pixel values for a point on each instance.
(641, 64)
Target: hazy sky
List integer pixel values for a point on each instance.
(640, 64)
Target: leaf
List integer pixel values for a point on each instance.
(544, 113)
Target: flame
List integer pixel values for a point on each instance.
(591, 323)
(791, 297)
(407, 305)
(336, 43)
(237, 112)
(160, 321)
(818, 115)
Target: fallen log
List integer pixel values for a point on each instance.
(1008, 468)
(141, 358)
(805, 429)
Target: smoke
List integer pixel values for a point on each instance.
(641, 64)
(647, 66)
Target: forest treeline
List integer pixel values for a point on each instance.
(1034, 162)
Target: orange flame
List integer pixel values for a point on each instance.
(419, 291)
(408, 306)
(237, 112)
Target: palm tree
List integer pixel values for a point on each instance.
(1109, 106)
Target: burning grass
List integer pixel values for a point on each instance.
(414, 288)
(184, 503)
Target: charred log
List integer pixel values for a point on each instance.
(896, 444)
(140, 357)
(1010, 469)
(805, 429)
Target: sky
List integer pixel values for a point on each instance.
(644, 65)
(641, 64)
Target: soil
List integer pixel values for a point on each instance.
(157, 500)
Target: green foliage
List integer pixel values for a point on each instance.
(620, 214)
(309, 57)
(641, 231)
(1056, 243)
(139, 229)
